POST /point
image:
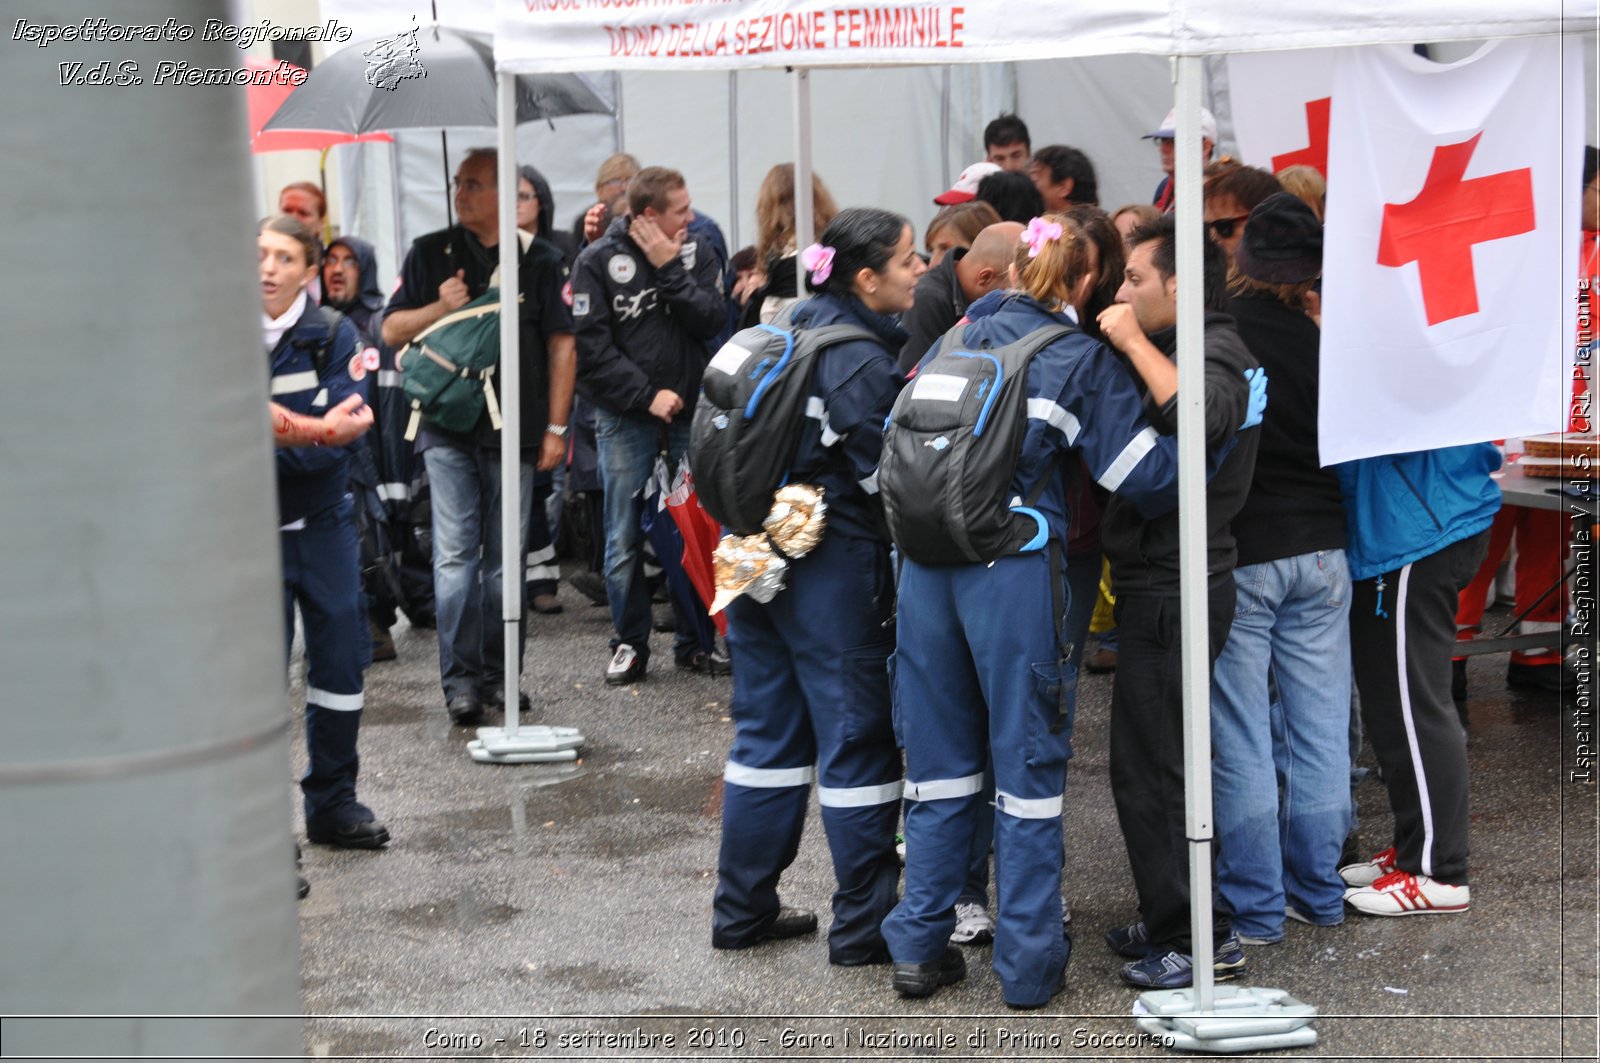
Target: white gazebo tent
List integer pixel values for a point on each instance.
(590, 35)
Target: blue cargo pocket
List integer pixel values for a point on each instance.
(1054, 708)
(865, 713)
(890, 668)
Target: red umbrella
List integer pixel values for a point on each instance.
(700, 532)
(264, 101)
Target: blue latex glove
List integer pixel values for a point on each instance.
(1258, 397)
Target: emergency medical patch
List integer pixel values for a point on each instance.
(686, 252)
(566, 293)
(580, 304)
(622, 268)
(358, 366)
(371, 359)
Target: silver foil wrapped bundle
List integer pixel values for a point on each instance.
(757, 565)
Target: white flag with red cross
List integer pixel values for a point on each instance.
(1451, 245)
(1280, 103)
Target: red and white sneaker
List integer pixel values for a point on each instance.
(1367, 872)
(1402, 893)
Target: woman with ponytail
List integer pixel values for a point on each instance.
(980, 668)
(811, 690)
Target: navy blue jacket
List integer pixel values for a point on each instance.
(1400, 508)
(313, 479)
(1079, 397)
(842, 441)
(642, 329)
(366, 310)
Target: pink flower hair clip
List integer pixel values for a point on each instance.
(1038, 233)
(818, 261)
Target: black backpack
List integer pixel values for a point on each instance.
(950, 450)
(747, 424)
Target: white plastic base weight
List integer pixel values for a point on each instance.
(530, 745)
(1242, 1019)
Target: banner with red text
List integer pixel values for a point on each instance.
(588, 35)
(583, 35)
(1450, 247)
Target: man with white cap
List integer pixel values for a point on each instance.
(1166, 197)
(965, 190)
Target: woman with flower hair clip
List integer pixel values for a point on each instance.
(811, 690)
(975, 682)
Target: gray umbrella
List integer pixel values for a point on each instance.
(426, 78)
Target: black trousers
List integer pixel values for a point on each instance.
(1402, 638)
(1147, 753)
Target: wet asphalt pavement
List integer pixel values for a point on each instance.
(564, 909)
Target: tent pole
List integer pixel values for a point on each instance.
(945, 77)
(1192, 520)
(512, 588)
(804, 230)
(733, 161)
(513, 743)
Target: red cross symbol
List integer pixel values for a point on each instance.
(1314, 154)
(1437, 229)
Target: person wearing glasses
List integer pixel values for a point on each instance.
(1166, 197)
(1230, 194)
(443, 272)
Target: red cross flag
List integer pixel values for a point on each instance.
(1452, 236)
(1280, 103)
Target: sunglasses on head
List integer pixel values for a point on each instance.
(1223, 228)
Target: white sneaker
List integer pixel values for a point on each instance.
(973, 925)
(1402, 893)
(1367, 872)
(625, 666)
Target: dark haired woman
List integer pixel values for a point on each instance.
(317, 365)
(811, 693)
(980, 676)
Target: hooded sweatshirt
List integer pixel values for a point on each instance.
(365, 309)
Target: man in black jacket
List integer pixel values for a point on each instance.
(1147, 699)
(646, 298)
(442, 272)
(944, 291)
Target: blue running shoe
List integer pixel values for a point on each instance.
(1172, 970)
(1130, 941)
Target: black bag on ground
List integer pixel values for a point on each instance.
(748, 420)
(950, 451)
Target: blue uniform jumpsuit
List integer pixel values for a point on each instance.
(321, 564)
(811, 690)
(978, 672)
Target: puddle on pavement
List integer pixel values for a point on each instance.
(462, 913)
(531, 810)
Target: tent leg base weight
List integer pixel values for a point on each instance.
(1242, 1019)
(527, 745)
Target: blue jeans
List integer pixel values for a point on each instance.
(627, 449)
(467, 565)
(1281, 771)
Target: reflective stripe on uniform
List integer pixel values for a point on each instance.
(870, 484)
(768, 778)
(388, 378)
(1131, 455)
(858, 796)
(338, 702)
(1057, 416)
(1027, 807)
(817, 410)
(290, 383)
(942, 789)
(393, 492)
